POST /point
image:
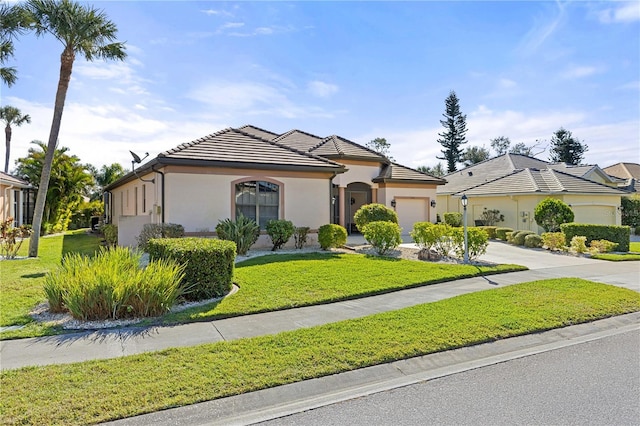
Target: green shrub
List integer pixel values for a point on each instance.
(300, 236)
(501, 233)
(453, 219)
(617, 234)
(602, 246)
(374, 213)
(112, 285)
(11, 238)
(332, 235)
(491, 217)
(110, 233)
(280, 231)
(382, 235)
(490, 230)
(533, 241)
(578, 244)
(477, 241)
(509, 236)
(208, 264)
(631, 211)
(423, 235)
(244, 232)
(519, 238)
(158, 230)
(554, 240)
(550, 213)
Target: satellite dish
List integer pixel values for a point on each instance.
(136, 158)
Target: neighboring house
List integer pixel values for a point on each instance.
(515, 184)
(296, 176)
(17, 200)
(628, 173)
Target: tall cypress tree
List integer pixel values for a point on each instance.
(566, 148)
(453, 137)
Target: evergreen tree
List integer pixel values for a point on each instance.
(381, 146)
(475, 154)
(437, 170)
(453, 137)
(566, 148)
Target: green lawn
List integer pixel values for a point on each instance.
(98, 391)
(21, 280)
(634, 254)
(275, 282)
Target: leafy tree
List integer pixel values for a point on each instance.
(14, 21)
(70, 181)
(436, 170)
(381, 146)
(11, 116)
(631, 210)
(105, 176)
(475, 154)
(453, 137)
(528, 150)
(500, 144)
(566, 148)
(83, 30)
(550, 213)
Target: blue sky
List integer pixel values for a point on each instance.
(357, 69)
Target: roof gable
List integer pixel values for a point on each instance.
(624, 170)
(257, 131)
(336, 146)
(234, 147)
(398, 173)
(299, 140)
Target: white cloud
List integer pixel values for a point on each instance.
(579, 72)
(321, 89)
(542, 29)
(624, 12)
(213, 12)
(506, 83)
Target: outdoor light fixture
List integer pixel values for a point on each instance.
(433, 203)
(465, 201)
(393, 203)
(138, 160)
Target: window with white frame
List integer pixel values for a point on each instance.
(258, 200)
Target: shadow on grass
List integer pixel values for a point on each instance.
(36, 275)
(278, 258)
(85, 243)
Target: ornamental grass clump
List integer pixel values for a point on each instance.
(112, 285)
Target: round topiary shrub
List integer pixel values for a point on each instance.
(533, 241)
(383, 236)
(332, 235)
(374, 213)
(520, 237)
(280, 231)
(501, 233)
(550, 213)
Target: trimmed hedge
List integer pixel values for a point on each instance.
(453, 219)
(332, 235)
(490, 230)
(373, 213)
(613, 233)
(382, 235)
(533, 241)
(501, 233)
(519, 238)
(208, 264)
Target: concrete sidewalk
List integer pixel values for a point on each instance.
(133, 340)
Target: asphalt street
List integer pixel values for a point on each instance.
(592, 383)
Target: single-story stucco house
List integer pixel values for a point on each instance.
(628, 173)
(17, 200)
(514, 184)
(297, 176)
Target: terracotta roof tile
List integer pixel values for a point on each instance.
(257, 131)
(336, 146)
(299, 140)
(398, 173)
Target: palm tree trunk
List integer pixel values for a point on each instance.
(66, 65)
(7, 134)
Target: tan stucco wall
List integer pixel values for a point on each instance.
(7, 199)
(389, 192)
(519, 210)
(358, 172)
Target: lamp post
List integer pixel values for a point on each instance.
(465, 201)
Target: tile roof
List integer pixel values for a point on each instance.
(234, 147)
(257, 131)
(299, 140)
(398, 173)
(624, 170)
(7, 179)
(541, 181)
(336, 146)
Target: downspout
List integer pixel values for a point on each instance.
(110, 216)
(331, 198)
(161, 194)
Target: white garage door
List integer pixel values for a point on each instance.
(411, 211)
(600, 215)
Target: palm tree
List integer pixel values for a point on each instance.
(11, 116)
(14, 22)
(81, 29)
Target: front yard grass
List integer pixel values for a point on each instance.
(97, 391)
(633, 254)
(284, 281)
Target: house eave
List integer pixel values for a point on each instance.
(408, 181)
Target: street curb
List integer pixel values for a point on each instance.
(293, 398)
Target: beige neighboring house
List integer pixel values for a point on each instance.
(17, 199)
(296, 176)
(628, 173)
(515, 184)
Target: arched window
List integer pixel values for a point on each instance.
(258, 200)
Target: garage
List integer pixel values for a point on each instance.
(410, 211)
(602, 215)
